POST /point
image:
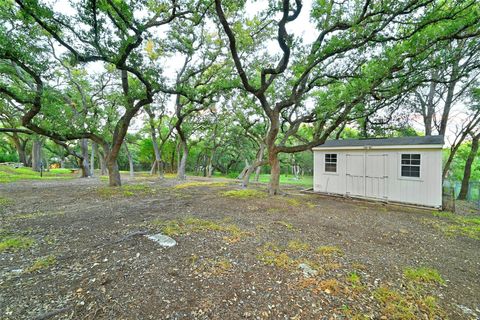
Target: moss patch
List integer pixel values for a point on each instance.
(15, 243)
(297, 245)
(42, 263)
(245, 194)
(455, 225)
(125, 191)
(329, 251)
(395, 305)
(194, 184)
(423, 274)
(192, 224)
(5, 201)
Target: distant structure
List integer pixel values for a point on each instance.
(404, 169)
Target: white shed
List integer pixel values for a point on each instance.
(404, 169)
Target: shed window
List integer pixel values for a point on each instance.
(331, 162)
(411, 165)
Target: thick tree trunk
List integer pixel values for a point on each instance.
(210, 167)
(130, 160)
(103, 164)
(22, 155)
(183, 161)
(92, 159)
(274, 187)
(468, 168)
(84, 164)
(37, 155)
(113, 174)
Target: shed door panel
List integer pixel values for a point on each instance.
(355, 172)
(376, 176)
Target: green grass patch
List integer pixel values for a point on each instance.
(195, 184)
(9, 174)
(354, 278)
(192, 224)
(455, 225)
(5, 201)
(329, 251)
(413, 304)
(42, 263)
(245, 194)
(296, 245)
(15, 243)
(395, 305)
(273, 258)
(128, 190)
(423, 274)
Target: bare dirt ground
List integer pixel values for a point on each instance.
(236, 257)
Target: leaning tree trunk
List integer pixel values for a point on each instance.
(468, 169)
(274, 187)
(183, 161)
(260, 157)
(244, 171)
(158, 157)
(84, 164)
(37, 155)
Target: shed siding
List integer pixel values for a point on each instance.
(369, 183)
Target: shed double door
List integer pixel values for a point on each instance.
(366, 175)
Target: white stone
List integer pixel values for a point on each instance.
(308, 271)
(163, 240)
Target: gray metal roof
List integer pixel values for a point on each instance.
(403, 141)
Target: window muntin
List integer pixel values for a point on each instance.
(410, 165)
(330, 162)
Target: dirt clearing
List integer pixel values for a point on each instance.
(75, 249)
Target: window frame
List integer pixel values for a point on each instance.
(330, 162)
(410, 164)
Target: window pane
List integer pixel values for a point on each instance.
(416, 156)
(405, 161)
(415, 171)
(405, 171)
(417, 162)
(405, 157)
(330, 167)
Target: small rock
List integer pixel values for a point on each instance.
(308, 271)
(163, 240)
(466, 310)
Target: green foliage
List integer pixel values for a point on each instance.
(423, 274)
(13, 243)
